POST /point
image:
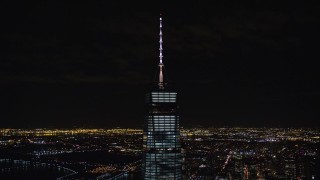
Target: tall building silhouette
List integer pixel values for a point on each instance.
(161, 139)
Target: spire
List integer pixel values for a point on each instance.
(161, 83)
(160, 41)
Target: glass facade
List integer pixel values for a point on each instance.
(161, 139)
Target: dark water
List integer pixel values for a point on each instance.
(19, 169)
(102, 157)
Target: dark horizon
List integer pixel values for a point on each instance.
(249, 64)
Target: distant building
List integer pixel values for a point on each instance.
(162, 157)
(290, 169)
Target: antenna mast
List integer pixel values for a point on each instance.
(161, 83)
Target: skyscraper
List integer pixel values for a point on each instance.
(161, 139)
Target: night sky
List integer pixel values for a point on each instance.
(89, 64)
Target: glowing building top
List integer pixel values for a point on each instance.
(162, 158)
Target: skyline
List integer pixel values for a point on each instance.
(271, 153)
(233, 64)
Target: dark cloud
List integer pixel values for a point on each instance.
(235, 63)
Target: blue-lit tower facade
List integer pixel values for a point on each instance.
(162, 157)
